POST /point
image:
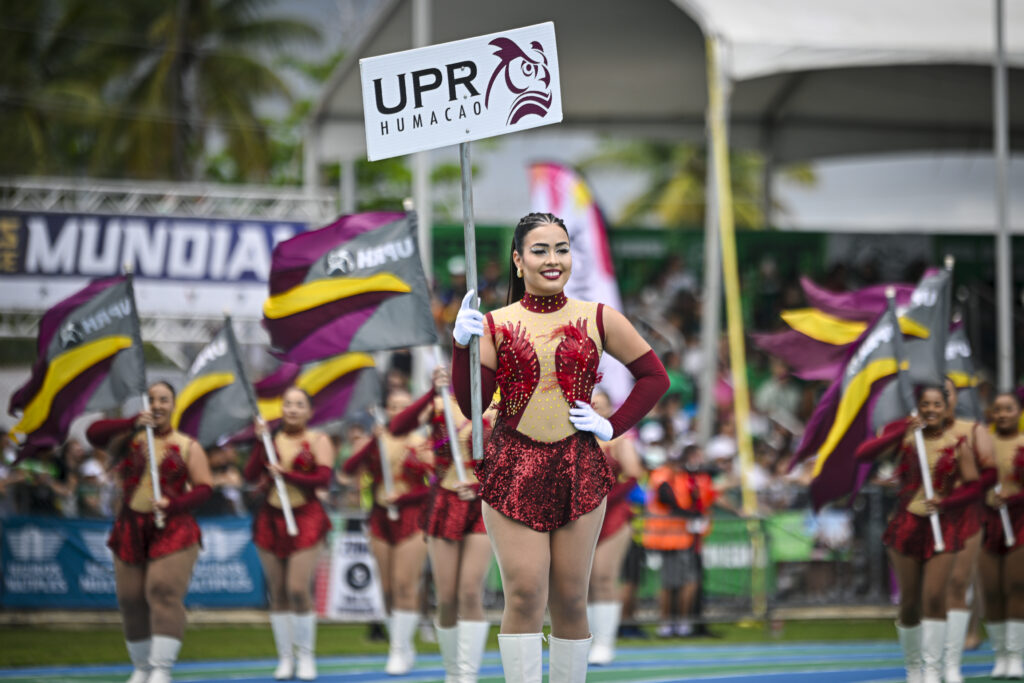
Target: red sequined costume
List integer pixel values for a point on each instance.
(135, 538)
(409, 475)
(909, 529)
(1009, 455)
(618, 512)
(445, 515)
(537, 469)
(302, 476)
(974, 513)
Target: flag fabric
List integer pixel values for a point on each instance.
(355, 285)
(337, 386)
(89, 358)
(842, 418)
(561, 190)
(214, 402)
(960, 369)
(864, 304)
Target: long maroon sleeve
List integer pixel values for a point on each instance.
(257, 465)
(891, 435)
(101, 432)
(460, 381)
(970, 492)
(318, 478)
(409, 419)
(359, 458)
(189, 501)
(651, 384)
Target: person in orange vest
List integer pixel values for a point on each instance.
(679, 500)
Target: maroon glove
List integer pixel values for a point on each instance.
(317, 479)
(409, 419)
(101, 432)
(189, 501)
(891, 435)
(651, 384)
(460, 381)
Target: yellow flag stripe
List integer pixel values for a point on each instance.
(308, 296)
(962, 380)
(313, 380)
(198, 388)
(822, 326)
(61, 371)
(850, 404)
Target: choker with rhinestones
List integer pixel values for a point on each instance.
(543, 304)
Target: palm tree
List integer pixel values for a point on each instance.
(675, 194)
(197, 69)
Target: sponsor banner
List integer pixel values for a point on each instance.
(183, 266)
(460, 91)
(353, 589)
(65, 563)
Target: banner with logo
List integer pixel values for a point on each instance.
(183, 266)
(465, 90)
(353, 589)
(65, 563)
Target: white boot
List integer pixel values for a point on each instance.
(933, 640)
(163, 653)
(521, 656)
(448, 643)
(472, 640)
(1014, 649)
(304, 636)
(281, 626)
(910, 641)
(604, 624)
(567, 660)
(956, 631)
(138, 652)
(401, 653)
(997, 635)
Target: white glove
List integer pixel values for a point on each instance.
(586, 419)
(469, 321)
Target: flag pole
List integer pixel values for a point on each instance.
(268, 442)
(469, 234)
(908, 400)
(385, 466)
(154, 468)
(449, 423)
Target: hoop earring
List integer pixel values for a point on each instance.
(519, 272)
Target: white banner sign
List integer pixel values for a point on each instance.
(460, 91)
(354, 591)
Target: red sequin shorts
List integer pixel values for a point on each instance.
(447, 516)
(615, 517)
(270, 533)
(909, 534)
(995, 538)
(543, 485)
(136, 539)
(397, 530)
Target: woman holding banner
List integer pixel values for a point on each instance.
(396, 539)
(544, 479)
(305, 463)
(1002, 564)
(459, 550)
(155, 542)
(604, 600)
(923, 572)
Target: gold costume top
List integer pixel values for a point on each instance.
(943, 454)
(172, 451)
(1009, 452)
(293, 453)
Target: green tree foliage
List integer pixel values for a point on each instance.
(677, 172)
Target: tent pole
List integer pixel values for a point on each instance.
(711, 306)
(469, 233)
(1004, 258)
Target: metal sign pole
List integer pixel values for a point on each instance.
(469, 232)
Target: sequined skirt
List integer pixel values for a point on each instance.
(447, 516)
(615, 517)
(995, 537)
(270, 533)
(135, 538)
(909, 534)
(394, 531)
(543, 485)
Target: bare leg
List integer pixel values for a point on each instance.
(572, 556)
(473, 565)
(130, 580)
(167, 580)
(444, 560)
(383, 554)
(935, 577)
(908, 573)
(962, 573)
(524, 558)
(1013, 583)
(274, 573)
(299, 578)
(604, 578)
(991, 568)
(406, 571)
(687, 596)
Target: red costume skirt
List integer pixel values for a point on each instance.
(543, 485)
(447, 516)
(270, 533)
(909, 534)
(397, 530)
(615, 517)
(135, 538)
(995, 539)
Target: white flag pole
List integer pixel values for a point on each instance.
(449, 422)
(1004, 516)
(469, 234)
(154, 468)
(385, 466)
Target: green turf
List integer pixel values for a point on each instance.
(37, 646)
